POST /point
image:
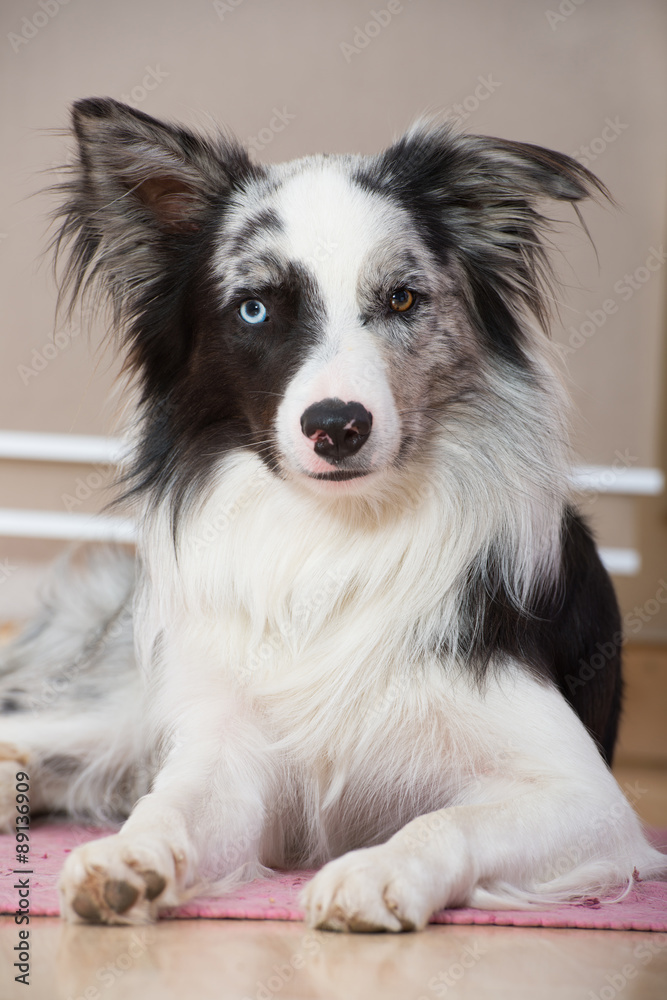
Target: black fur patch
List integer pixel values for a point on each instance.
(13, 701)
(571, 633)
(230, 384)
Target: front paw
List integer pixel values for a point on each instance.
(371, 889)
(120, 879)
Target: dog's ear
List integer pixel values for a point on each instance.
(476, 199)
(137, 187)
(478, 172)
(163, 175)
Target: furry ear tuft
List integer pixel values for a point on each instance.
(137, 187)
(126, 154)
(458, 165)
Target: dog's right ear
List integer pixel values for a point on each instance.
(137, 187)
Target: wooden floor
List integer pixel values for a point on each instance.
(263, 960)
(207, 959)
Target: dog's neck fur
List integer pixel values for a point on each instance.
(264, 551)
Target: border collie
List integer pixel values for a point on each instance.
(362, 593)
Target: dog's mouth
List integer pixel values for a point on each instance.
(338, 476)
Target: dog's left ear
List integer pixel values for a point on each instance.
(477, 171)
(476, 199)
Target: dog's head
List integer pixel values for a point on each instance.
(333, 313)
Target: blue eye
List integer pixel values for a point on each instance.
(253, 311)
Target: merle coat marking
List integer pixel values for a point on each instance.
(362, 588)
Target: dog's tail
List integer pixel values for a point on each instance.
(70, 693)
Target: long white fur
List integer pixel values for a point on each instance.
(288, 642)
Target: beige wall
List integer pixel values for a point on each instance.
(551, 78)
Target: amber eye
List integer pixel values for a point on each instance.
(401, 300)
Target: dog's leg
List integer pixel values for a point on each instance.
(88, 765)
(202, 819)
(547, 823)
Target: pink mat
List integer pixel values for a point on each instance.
(643, 909)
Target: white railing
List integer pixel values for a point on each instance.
(60, 525)
(91, 450)
(36, 447)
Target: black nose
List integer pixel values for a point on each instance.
(338, 429)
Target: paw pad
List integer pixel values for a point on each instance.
(155, 883)
(119, 895)
(85, 907)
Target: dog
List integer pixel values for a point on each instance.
(351, 636)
